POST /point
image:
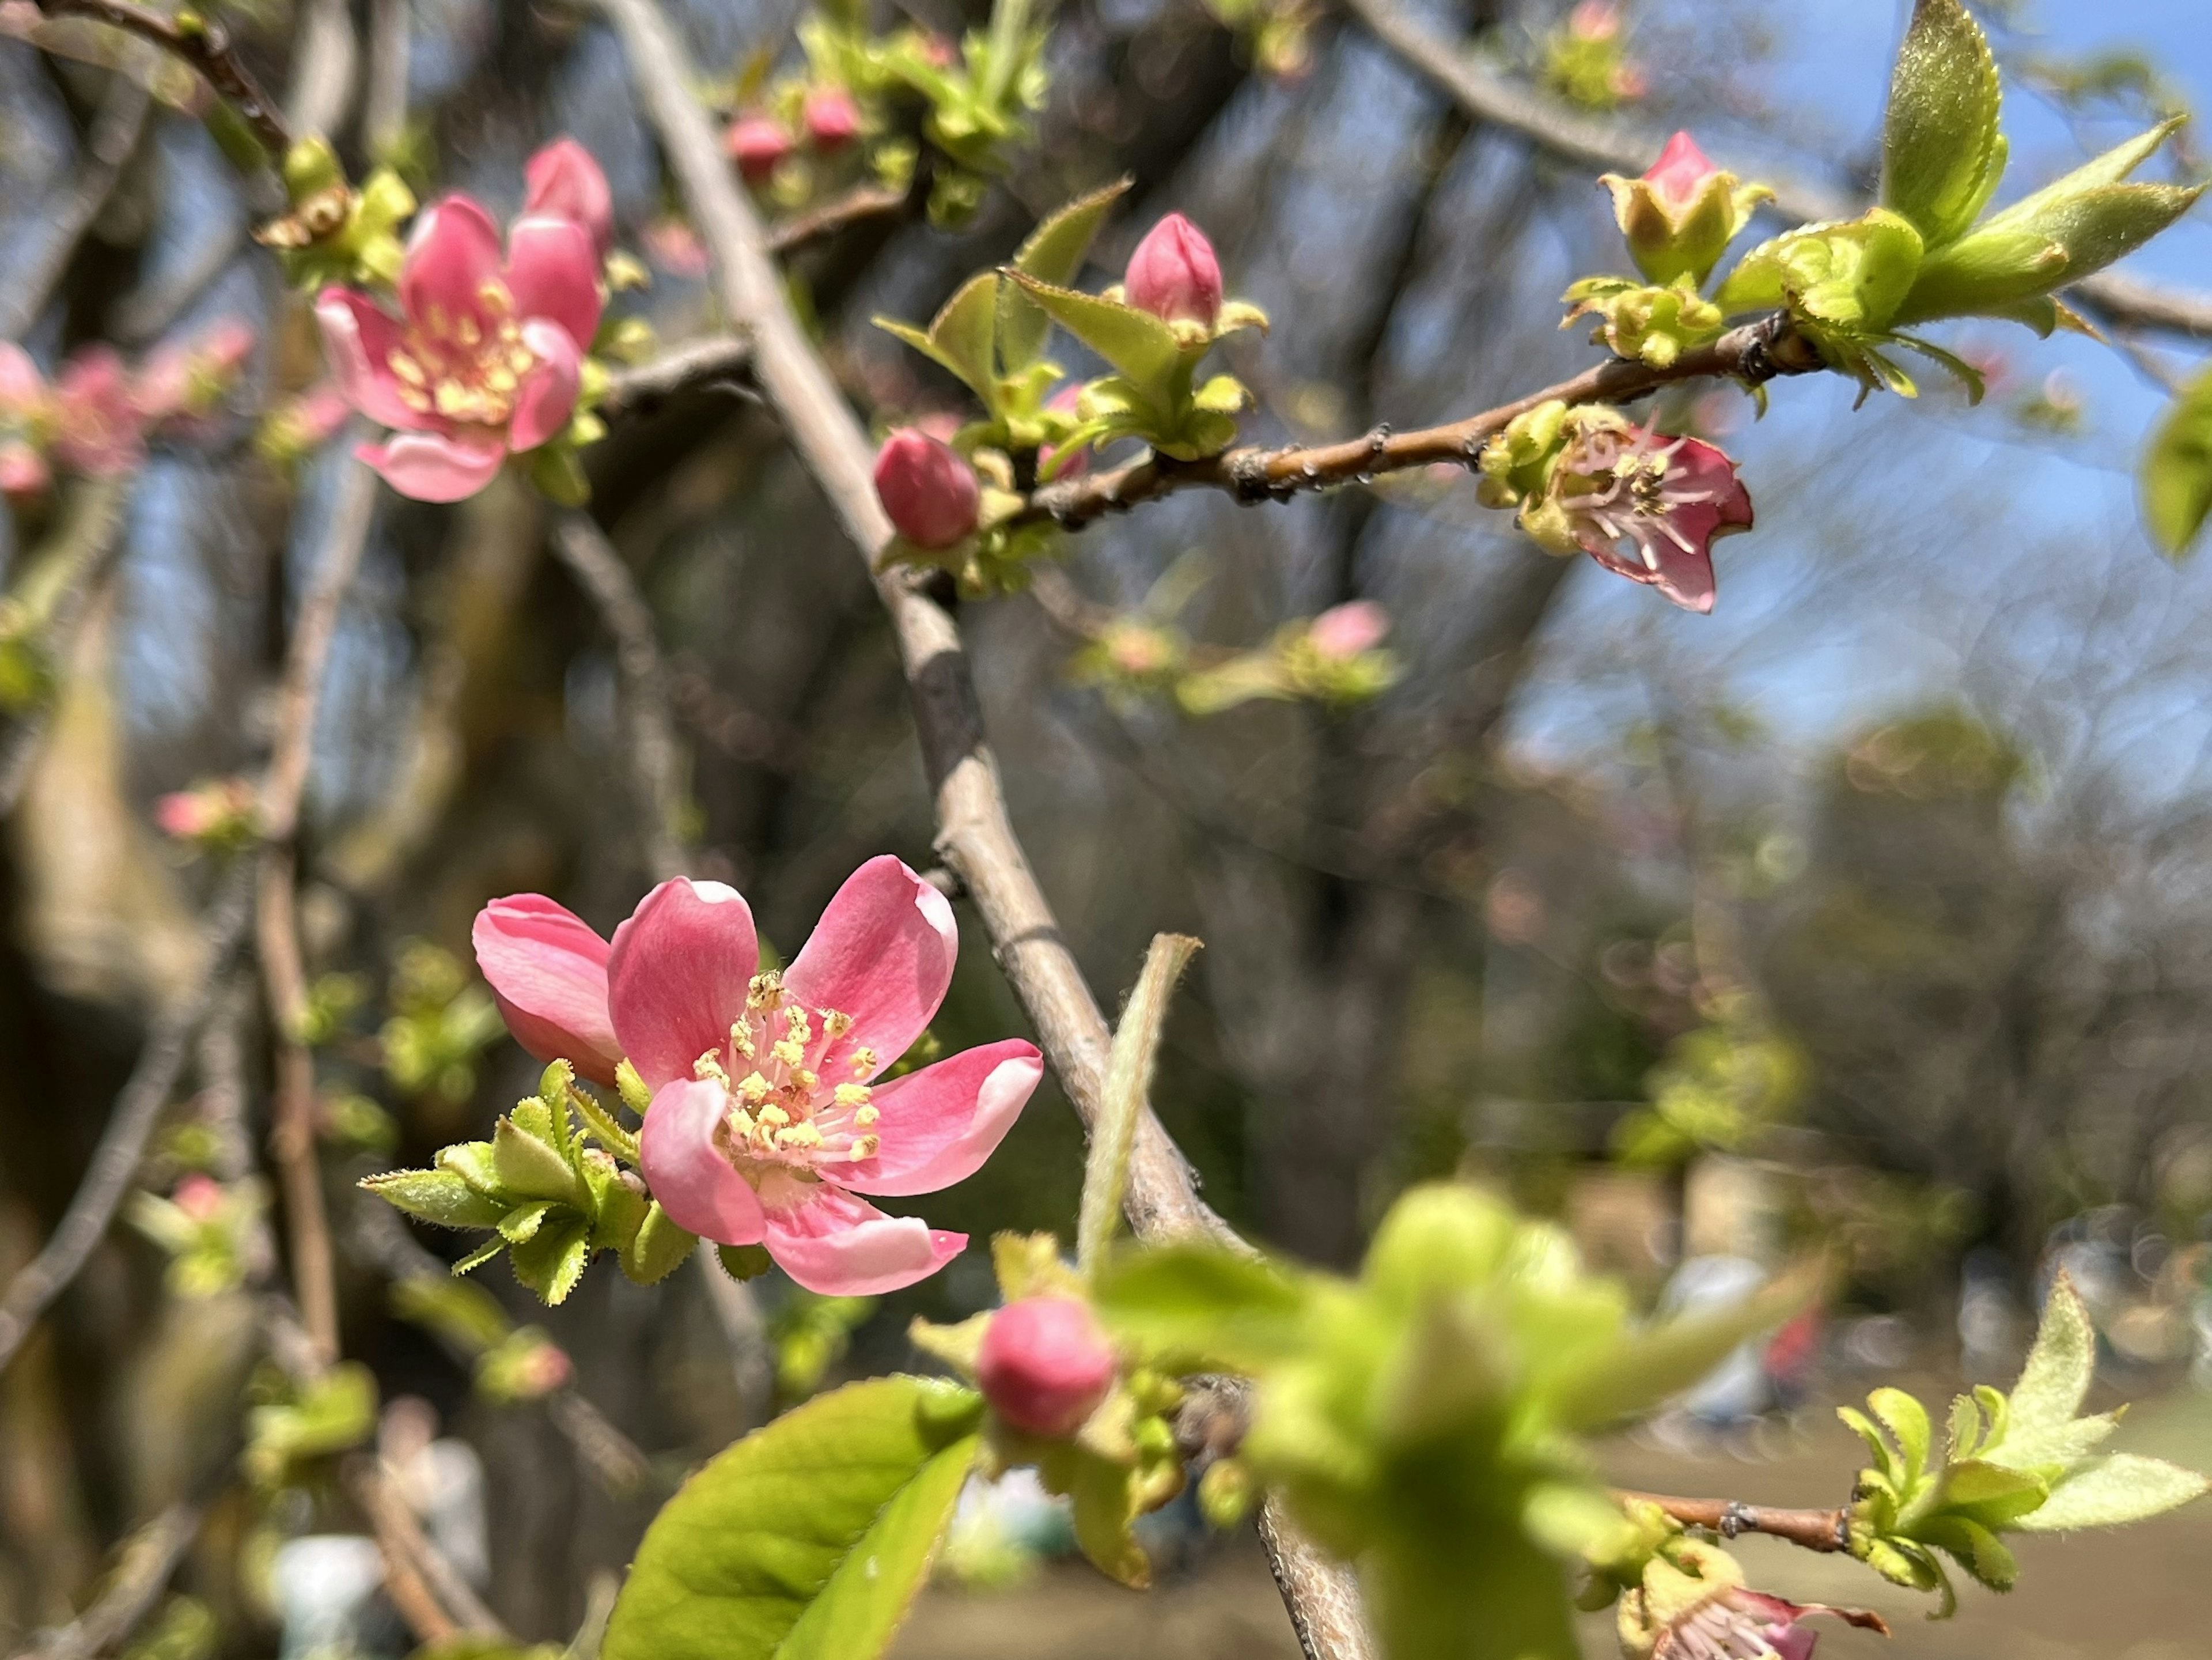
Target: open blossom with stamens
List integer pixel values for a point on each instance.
(487, 358)
(767, 1121)
(1666, 497)
(1698, 1608)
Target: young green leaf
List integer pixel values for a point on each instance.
(808, 1538)
(1942, 152)
(1054, 253)
(1128, 1087)
(2060, 1366)
(437, 1196)
(1135, 342)
(2107, 1491)
(1206, 1303)
(553, 1259)
(528, 1167)
(1907, 1421)
(2177, 469)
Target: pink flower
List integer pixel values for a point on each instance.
(1045, 1365)
(565, 182)
(766, 1123)
(488, 358)
(548, 969)
(1748, 1622)
(1174, 274)
(1668, 497)
(930, 493)
(23, 470)
(1342, 632)
(1680, 172)
(757, 144)
(96, 429)
(184, 814)
(833, 119)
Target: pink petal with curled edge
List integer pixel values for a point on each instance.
(452, 253)
(565, 181)
(547, 396)
(549, 970)
(837, 1245)
(677, 976)
(427, 466)
(699, 1189)
(883, 953)
(551, 272)
(358, 341)
(938, 1124)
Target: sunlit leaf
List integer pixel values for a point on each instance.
(1942, 152)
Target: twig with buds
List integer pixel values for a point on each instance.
(1825, 1530)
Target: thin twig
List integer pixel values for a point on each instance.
(828, 218)
(976, 836)
(412, 1562)
(720, 360)
(114, 139)
(656, 763)
(1824, 1530)
(1755, 352)
(142, 1570)
(1603, 144)
(201, 42)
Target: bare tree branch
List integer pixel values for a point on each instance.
(113, 138)
(142, 1570)
(200, 41)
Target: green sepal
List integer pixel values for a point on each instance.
(657, 1249)
(520, 1225)
(636, 1093)
(529, 1166)
(473, 1162)
(438, 1196)
(1854, 275)
(742, 1262)
(553, 1259)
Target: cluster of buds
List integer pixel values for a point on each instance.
(1336, 660)
(220, 815)
(1644, 504)
(824, 120)
(490, 356)
(1680, 216)
(525, 1366)
(1586, 58)
(94, 417)
(210, 1230)
(331, 232)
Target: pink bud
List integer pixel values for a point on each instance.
(184, 814)
(929, 492)
(199, 1197)
(1045, 1365)
(23, 470)
(1680, 172)
(833, 119)
(676, 248)
(1173, 275)
(1595, 19)
(320, 410)
(22, 388)
(757, 144)
(937, 52)
(1342, 632)
(566, 183)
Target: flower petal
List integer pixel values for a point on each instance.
(428, 466)
(566, 182)
(837, 1245)
(678, 976)
(452, 253)
(551, 272)
(358, 341)
(549, 970)
(547, 396)
(699, 1189)
(883, 953)
(938, 1124)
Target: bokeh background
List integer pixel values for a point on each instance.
(1875, 909)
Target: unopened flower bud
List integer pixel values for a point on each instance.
(757, 144)
(565, 182)
(199, 1197)
(23, 470)
(1045, 1365)
(930, 493)
(1681, 214)
(1595, 19)
(1342, 632)
(833, 119)
(1174, 274)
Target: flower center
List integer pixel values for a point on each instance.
(787, 1107)
(466, 369)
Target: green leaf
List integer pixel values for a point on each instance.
(521, 1224)
(1054, 253)
(960, 335)
(437, 1196)
(1977, 1549)
(659, 1248)
(808, 1538)
(1994, 1495)
(1128, 1086)
(2060, 1366)
(552, 1259)
(2177, 469)
(473, 1162)
(1854, 275)
(1139, 344)
(1942, 152)
(1907, 1421)
(2124, 1487)
(527, 1166)
(1205, 1303)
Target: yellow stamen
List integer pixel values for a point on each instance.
(709, 1065)
(836, 1023)
(866, 1117)
(773, 1116)
(865, 1148)
(852, 1095)
(864, 1061)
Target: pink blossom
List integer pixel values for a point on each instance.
(486, 359)
(757, 144)
(1342, 632)
(767, 1124)
(833, 119)
(1045, 1365)
(548, 969)
(23, 470)
(184, 814)
(96, 429)
(1667, 497)
(565, 182)
(929, 493)
(1174, 274)
(1680, 172)
(1748, 1622)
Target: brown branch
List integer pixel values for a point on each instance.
(976, 836)
(437, 1602)
(201, 42)
(142, 1570)
(1604, 144)
(828, 218)
(720, 360)
(1755, 352)
(1825, 1530)
(114, 139)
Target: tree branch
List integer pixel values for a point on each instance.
(202, 43)
(1755, 352)
(720, 360)
(976, 836)
(1824, 1530)
(1605, 144)
(142, 1570)
(113, 138)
